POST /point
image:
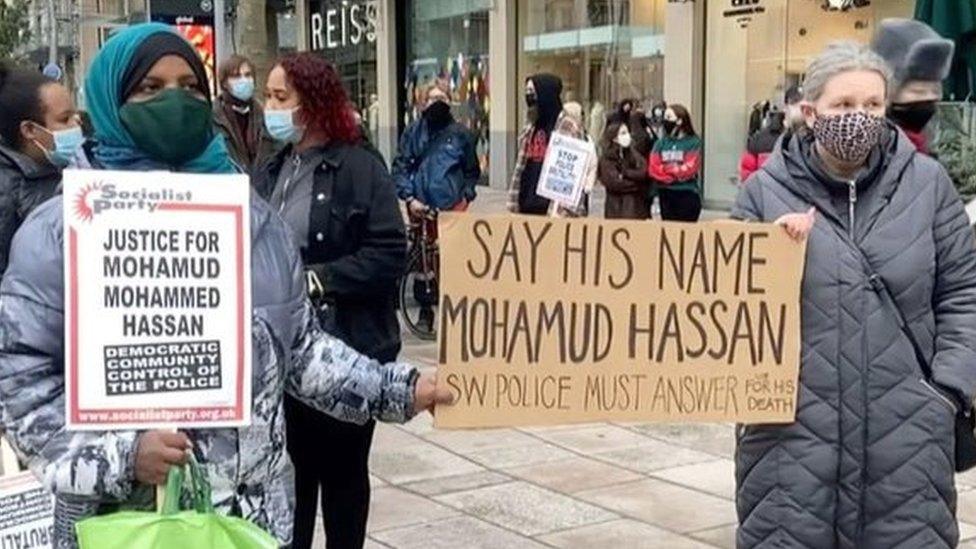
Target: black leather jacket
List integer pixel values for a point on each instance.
(24, 185)
(356, 243)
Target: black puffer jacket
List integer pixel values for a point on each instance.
(356, 244)
(24, 185)
(868, 463)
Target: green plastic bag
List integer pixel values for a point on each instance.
(199, 528)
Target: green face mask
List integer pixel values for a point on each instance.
(174, 127)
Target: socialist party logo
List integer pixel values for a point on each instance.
(96, 198)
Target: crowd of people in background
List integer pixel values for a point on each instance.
(839, 162)
(660, 143)
(327, 246)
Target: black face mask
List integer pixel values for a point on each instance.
(670, 127)
(531, 100)
(912, 116)
(438, 114)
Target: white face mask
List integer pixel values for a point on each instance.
(624, 140)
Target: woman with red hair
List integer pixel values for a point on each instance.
(341, 205)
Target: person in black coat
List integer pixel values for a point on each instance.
(40, 133)
(340, 201)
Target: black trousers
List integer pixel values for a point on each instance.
(331, 460)
(679, 205)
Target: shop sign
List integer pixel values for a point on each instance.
(343, 24)
(740, 8)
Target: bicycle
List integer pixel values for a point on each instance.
(418, 294)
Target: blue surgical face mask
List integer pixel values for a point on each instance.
(241, 88)
(66, 143)
(280, 124)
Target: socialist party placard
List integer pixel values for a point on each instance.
(157, 300)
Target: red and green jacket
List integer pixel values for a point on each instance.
(675, 163)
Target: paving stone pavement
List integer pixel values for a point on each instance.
(643, 486)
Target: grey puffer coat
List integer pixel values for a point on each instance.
(93, 472)
(868, 463)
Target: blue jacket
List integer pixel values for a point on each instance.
(440, 169)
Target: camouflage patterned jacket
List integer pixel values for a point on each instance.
(93, 472)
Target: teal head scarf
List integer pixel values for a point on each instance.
(115, 148)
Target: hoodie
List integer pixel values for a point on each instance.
(533, 143)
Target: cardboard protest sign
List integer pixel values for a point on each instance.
(157, 286)
(26, 513)
(550, 321)
(563, 173)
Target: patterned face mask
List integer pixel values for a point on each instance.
(849, 137)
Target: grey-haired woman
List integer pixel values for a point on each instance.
(869, 461)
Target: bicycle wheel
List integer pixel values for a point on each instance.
(419, 299)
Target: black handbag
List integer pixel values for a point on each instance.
(322, 306)
(965, 446)
(965, 421)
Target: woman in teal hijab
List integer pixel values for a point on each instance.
(149, 101)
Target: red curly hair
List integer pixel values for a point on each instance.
(325, 104)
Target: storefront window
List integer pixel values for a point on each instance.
(448, 39)
(604, 50)
(262, 32)
(754, 54)
(344, 31)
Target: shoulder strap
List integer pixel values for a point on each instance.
(888, 300)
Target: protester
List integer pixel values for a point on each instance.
(674, 166)
(623, 171)
(570, 124)
(869, 461)
(365, 137)
(339, 201)
(920, 60)
(625, 107)
(597, 120)
(239, 116)
(792, 101)
(543, 97)
(40, 133)
(655, 121)
(436, 165)
(629, 112)
(761, 144)
(147, 94)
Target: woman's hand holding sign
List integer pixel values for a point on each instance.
(798, 225)
(427, 395)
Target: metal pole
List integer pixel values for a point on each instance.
(52, 33)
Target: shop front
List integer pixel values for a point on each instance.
(346, 32)
(755, 51)
(603, 50)
(448, 40)
(723, 61)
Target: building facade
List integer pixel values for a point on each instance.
(726, 60)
